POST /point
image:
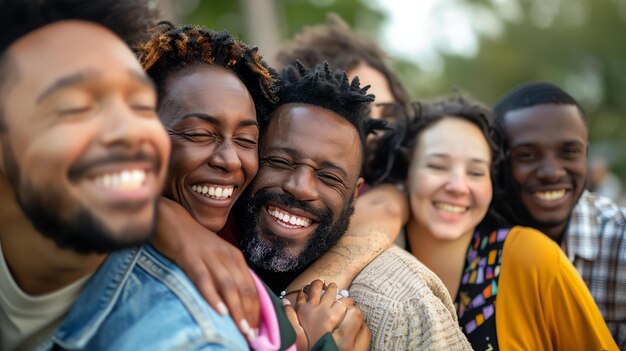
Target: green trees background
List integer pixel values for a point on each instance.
(577, 44)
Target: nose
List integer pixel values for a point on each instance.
(225, 157)
(302, 184)
(550, 169)
(457, 184)
(120, 125)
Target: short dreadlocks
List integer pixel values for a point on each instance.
(333, 91)
(171, 50)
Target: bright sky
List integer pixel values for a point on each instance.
(417, 29)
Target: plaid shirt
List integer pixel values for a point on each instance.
(596, 244)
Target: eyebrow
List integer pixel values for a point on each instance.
(212, 120)
(293, 153)
(566, 142)
(473, 159)
(86, 76)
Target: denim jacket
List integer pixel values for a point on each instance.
(139, 300)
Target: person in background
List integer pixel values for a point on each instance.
(448, 157)
(544, 175)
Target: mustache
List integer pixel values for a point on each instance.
(83, 167)
(264, 196)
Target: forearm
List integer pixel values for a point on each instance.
(378, 218)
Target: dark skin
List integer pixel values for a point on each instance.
(307, 153)
(91, 87)
(548, 155)
(214, 137)
(352, 330)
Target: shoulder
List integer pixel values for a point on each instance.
(406, 305)
(158, 291)
(599, 208)
(529, 248)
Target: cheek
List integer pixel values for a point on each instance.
(249, 159)
(268, 178)
(483, 194)
(520, 172)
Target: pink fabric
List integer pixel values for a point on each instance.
(269, 332)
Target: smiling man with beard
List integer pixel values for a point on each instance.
(301, 201)
(83, 161)
(546, 145)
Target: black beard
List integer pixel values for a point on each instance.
(270, 252)
(84, 233)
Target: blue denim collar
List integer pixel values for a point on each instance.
(96, 300)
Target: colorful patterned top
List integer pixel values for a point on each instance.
(519, 283)
(475, 301)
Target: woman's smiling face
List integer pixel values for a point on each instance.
(449, 179)
(211, 119)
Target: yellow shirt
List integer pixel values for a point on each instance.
(542, 303)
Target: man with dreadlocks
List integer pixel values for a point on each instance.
(301, 202)
(84, 158)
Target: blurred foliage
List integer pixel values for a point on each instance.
(293, 14)
(572, 43)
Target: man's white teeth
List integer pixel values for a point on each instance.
(450, 208)
(289, 218)
(124, 180)
(214, 191)
(550, 195)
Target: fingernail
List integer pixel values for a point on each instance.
(286, 302)
(222, 309)
(344, 293)
(245, 327)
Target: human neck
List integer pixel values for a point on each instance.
(37, 264)
(555, 232)
(445, 258)
(276, 281)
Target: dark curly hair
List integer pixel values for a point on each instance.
(344, 49)
(331, 90)
(172, 49)
(397, 147)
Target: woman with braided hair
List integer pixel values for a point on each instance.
(214, 94)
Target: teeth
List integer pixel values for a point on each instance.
(124, 180)
(550, 195)
(214, 191)
(450, 208)
(289, 218)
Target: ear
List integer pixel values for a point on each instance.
(357, 189)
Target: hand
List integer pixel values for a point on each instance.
(318, 311)
(218, 269)
(353, 333)
(302, 344)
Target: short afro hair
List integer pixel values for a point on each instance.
(172, 49)
(332, 90)
(532, 94)
(129, 19)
